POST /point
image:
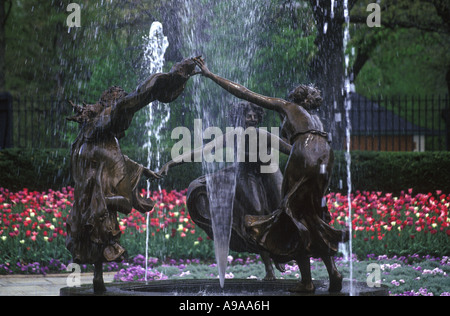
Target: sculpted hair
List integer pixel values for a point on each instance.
(306, 96)
(111, 95)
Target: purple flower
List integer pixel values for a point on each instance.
(137, 273)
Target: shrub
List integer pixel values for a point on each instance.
(393, 172)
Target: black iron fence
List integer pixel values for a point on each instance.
(400, 123)
(40, 123)
(378, 124)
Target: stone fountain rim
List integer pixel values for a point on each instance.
(210, 287)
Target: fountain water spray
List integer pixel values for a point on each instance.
(155, 48)
(227, 42)
(348, 89)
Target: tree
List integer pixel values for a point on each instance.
(32, 34)
(5, 10)
(426, 19)
(327, 68)
(45, 56)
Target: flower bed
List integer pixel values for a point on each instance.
(32, 227)
(411, 275)
(402, 225)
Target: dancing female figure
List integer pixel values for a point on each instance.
(256, 193)
(105, 179)
(299, 228)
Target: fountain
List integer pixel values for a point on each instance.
(209, 104)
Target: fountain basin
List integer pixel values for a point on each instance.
(211, 287)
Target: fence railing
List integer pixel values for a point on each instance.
(41, 123)
(378, 124)
(400, 123)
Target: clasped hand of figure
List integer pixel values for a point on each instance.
(152, 175)
(200, 62)
(165, 169)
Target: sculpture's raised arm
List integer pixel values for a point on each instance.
(164, 87)
(242, 92)
(116, 108)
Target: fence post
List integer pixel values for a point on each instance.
(404, 128)
(6, 121)
(379, 122)
(366, 126)
(446, 117)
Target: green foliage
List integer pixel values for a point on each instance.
(408, 55)
(394, 171)
(45, 56)
(406, 62)
(32, 46)
(35, 169)
(284, 54)
(41, 169)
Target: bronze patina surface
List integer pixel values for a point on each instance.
(105, 179)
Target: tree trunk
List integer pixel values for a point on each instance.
(327, 69)
(2, 47)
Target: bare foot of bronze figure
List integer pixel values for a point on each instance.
(307, 287)
(335, 283)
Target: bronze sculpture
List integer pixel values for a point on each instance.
(299, 228)
(256, 193)
(106, 180)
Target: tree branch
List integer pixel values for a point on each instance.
(432, 27)
(443, 10)
(7, 12)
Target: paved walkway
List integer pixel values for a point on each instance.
(40, 285)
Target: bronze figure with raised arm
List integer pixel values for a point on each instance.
(299, 228)
(105, 179)
(256, 193)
